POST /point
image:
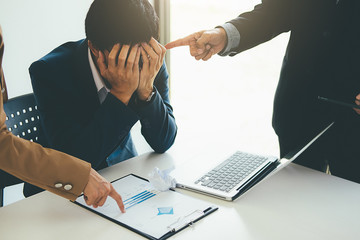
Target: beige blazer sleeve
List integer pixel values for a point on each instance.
(46, 168)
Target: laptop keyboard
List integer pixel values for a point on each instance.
(231, 172)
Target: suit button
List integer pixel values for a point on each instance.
(67, 187)
(58, 185)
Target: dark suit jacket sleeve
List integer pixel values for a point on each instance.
(70, 122)
(266, 21)
(157, 119)
(40, 166)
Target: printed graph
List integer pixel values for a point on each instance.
(139, 198)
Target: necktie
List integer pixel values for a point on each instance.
(102, 94)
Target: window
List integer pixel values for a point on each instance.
(228, 99)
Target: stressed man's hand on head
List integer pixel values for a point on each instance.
(121, 69)
(203, 44)
(153, 54)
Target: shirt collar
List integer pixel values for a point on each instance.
(99, 82)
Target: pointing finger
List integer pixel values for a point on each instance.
(116, 196)
(180, 42)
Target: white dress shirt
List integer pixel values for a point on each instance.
(99, 82)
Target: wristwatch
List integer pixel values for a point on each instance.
(150, 96)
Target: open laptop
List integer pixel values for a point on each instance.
(228, 179)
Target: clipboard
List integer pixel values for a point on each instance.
(150, 213)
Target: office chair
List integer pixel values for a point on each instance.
(23, 120)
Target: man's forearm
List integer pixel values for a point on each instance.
(158, 125)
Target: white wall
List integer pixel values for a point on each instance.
(32, 28)
(230, 99)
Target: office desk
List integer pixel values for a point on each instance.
(296, 203)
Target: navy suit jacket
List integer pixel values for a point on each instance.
(321, 59)
(76, 123)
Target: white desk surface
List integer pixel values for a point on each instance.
(296, 203)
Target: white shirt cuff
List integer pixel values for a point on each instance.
(233, 36)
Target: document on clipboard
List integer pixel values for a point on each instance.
(149, 212)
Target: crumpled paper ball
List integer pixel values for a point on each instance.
(161, 180)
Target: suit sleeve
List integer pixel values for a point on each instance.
(41, 166)
(157, 119)
(266, 21)
(70, 122)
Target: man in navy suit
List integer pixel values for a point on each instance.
(90, 93)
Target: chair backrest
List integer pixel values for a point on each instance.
(23, 120)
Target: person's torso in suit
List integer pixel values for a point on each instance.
(321, 59)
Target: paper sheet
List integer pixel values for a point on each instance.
(148, 210)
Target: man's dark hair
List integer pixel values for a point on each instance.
(120, 21)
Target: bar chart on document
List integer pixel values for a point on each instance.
(134, 198)
(149, 210)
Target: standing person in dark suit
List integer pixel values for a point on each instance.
(49, 169)
(322, 59)
(90, 93)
